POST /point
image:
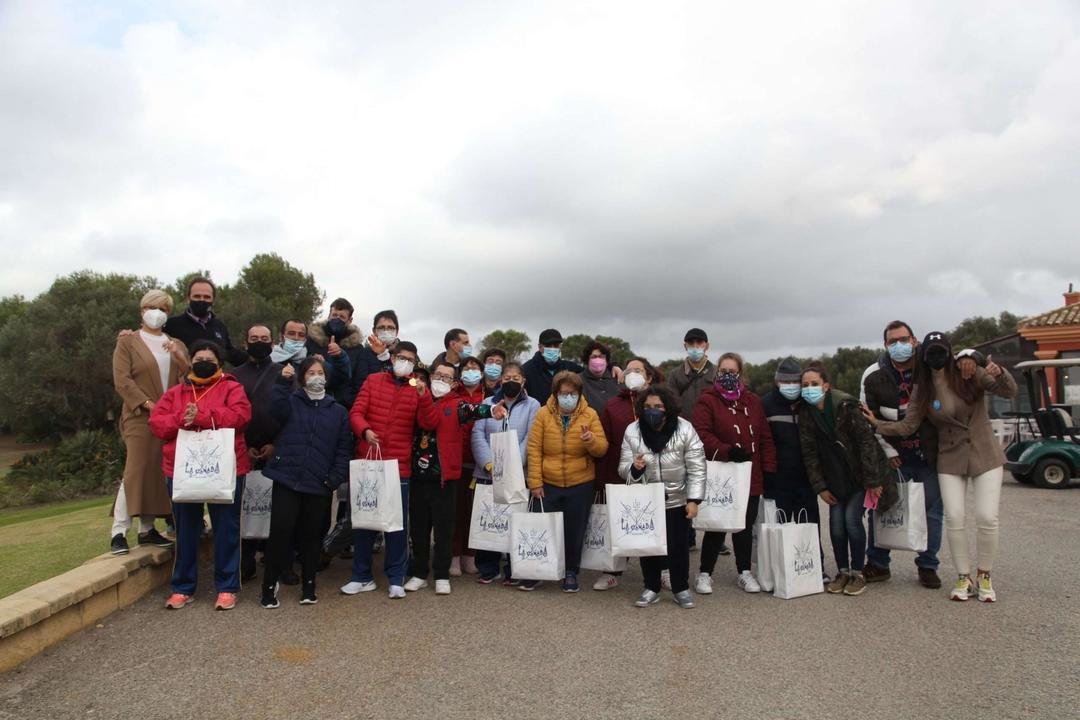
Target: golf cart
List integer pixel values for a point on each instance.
(1049, 455)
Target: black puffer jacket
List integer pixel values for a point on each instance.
(312, 452)
(883, 394)
(783, 418)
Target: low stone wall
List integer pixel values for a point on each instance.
(44, 614)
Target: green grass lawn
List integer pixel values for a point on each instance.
(41, 541)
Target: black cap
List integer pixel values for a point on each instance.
(695, 334)
(551, 336)
(788, 370)
(936, 339)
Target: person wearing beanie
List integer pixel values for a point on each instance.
(548, 361)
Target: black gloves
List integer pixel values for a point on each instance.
(737, 454)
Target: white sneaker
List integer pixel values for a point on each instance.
(703, 586)
(397, 592)
(665, 579)
(355, 587)
(415, 583)
(442, 587)
(605, 582)
(748, 583)
(647, 598)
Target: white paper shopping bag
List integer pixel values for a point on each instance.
(761, 557)
(255, 506)
(727, 492)
(638, 519)
(903, 526)
(375, 495)
(537, 546)
(797, 553)
(596, 550)
(489, 528)
(507, 471)
(205, 467)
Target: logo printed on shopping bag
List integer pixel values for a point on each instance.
(637, 519)
(720, 491)
(367, 496)
(805, 562)
(257, 502)
(532, 544)
(596, 534)
(203, 461)
(498, 457)
(494, 518)
(894, 519)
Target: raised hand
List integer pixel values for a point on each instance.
(288, 372)
(586, 434)
(639, 462)
(499, 411)
(377, 346)
(966, 365)
(992, 368)
(333, 348)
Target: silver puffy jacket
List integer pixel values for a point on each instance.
(680, 466)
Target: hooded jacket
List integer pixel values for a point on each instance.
(224, 405)
(680, 466)
(557, 454)
(313, 449)
(391, 408)
(723, 425)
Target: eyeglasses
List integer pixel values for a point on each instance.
(892, 342)
(444, 378)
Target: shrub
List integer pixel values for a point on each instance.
(90, 462)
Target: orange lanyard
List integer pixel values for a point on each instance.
(195, 395)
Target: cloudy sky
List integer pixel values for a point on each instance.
(788, 176)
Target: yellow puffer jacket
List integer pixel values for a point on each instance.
(560, 457)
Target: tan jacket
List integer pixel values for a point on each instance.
(966, 443)
(559, 456)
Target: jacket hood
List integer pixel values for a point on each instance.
(318, 334)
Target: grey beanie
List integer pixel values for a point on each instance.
(788, 370)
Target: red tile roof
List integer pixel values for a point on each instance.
(1068, 315)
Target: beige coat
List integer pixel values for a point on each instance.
(137, 379)
(967, 445)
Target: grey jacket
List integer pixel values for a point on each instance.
(688, 385)
(680, 466)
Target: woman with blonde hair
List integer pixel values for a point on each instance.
(145, 364)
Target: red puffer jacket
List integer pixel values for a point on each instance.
(391, 408)
(450, 434)
(615, 417)
(225, 405)
(723, 425)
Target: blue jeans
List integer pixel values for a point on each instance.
(395, 549)
(935, 515)
(225, 520)
(847, 532)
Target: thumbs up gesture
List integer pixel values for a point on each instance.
(992, 368)
(333, 348)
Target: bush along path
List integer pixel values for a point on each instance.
(88, 463)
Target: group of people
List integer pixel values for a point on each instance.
(307, 399)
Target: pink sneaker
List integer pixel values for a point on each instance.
(225, 601)
(177, 601)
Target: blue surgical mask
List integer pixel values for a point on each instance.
(791, 391)
(901, 352)
(813, 394)
(653, 417)
(568, 402)
(695, 353)
(471, 377)
(493, 371)
(466, 351)
(552, 355)
(292, 346)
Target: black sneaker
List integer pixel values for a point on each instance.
(269, 597)
(307, 596)
(289, 577)
(873, 574)
(155, 538)
(528, 585)
(119, 545)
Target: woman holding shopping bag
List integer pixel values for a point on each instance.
(845, 464)
(732, 425)
(661, 447)
(209, 399)
(968, 452)
(564, 444)
(310, 460)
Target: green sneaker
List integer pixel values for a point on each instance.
(963, 589)
(986, 589)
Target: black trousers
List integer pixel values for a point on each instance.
(299, 517)
(742, 540)
(677, 560)
(431, 508)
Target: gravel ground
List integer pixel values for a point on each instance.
(898, 651)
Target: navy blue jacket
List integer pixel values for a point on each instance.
(313, 449)
(783, 418)
(538, 376)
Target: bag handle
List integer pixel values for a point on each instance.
(781, 516)
(377, 449)
(802, 517)
(531, 498)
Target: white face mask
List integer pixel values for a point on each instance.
(634, 381)
(403, 367)
(439, 388)
(386, 336)
(154, 318)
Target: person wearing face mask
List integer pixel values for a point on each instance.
(615, 416)
(383, 418)
(695, 374)
(208, 399)
(470, 390)
(457, 347)
(494, 359)
(886, 390)
(339, 341)
(310, 460)
(374, 356)
(520, 411)
(661, 447)
(968, 452)
(258, 376)
(597, 380)
(199, 322)
(145, 364)
(565, 442)
(731, 422)
(845, 464)
(548, 361)
(292, 348)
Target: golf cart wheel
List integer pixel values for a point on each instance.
(1051, 473)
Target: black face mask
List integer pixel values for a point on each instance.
(336, 328)
(937, 359)
(204, 368)
(511, 389)
(260, 350)
(199, 308)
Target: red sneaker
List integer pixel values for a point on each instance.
(177, 601)
(225, 601)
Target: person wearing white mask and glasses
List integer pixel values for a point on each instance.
(145, 364)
